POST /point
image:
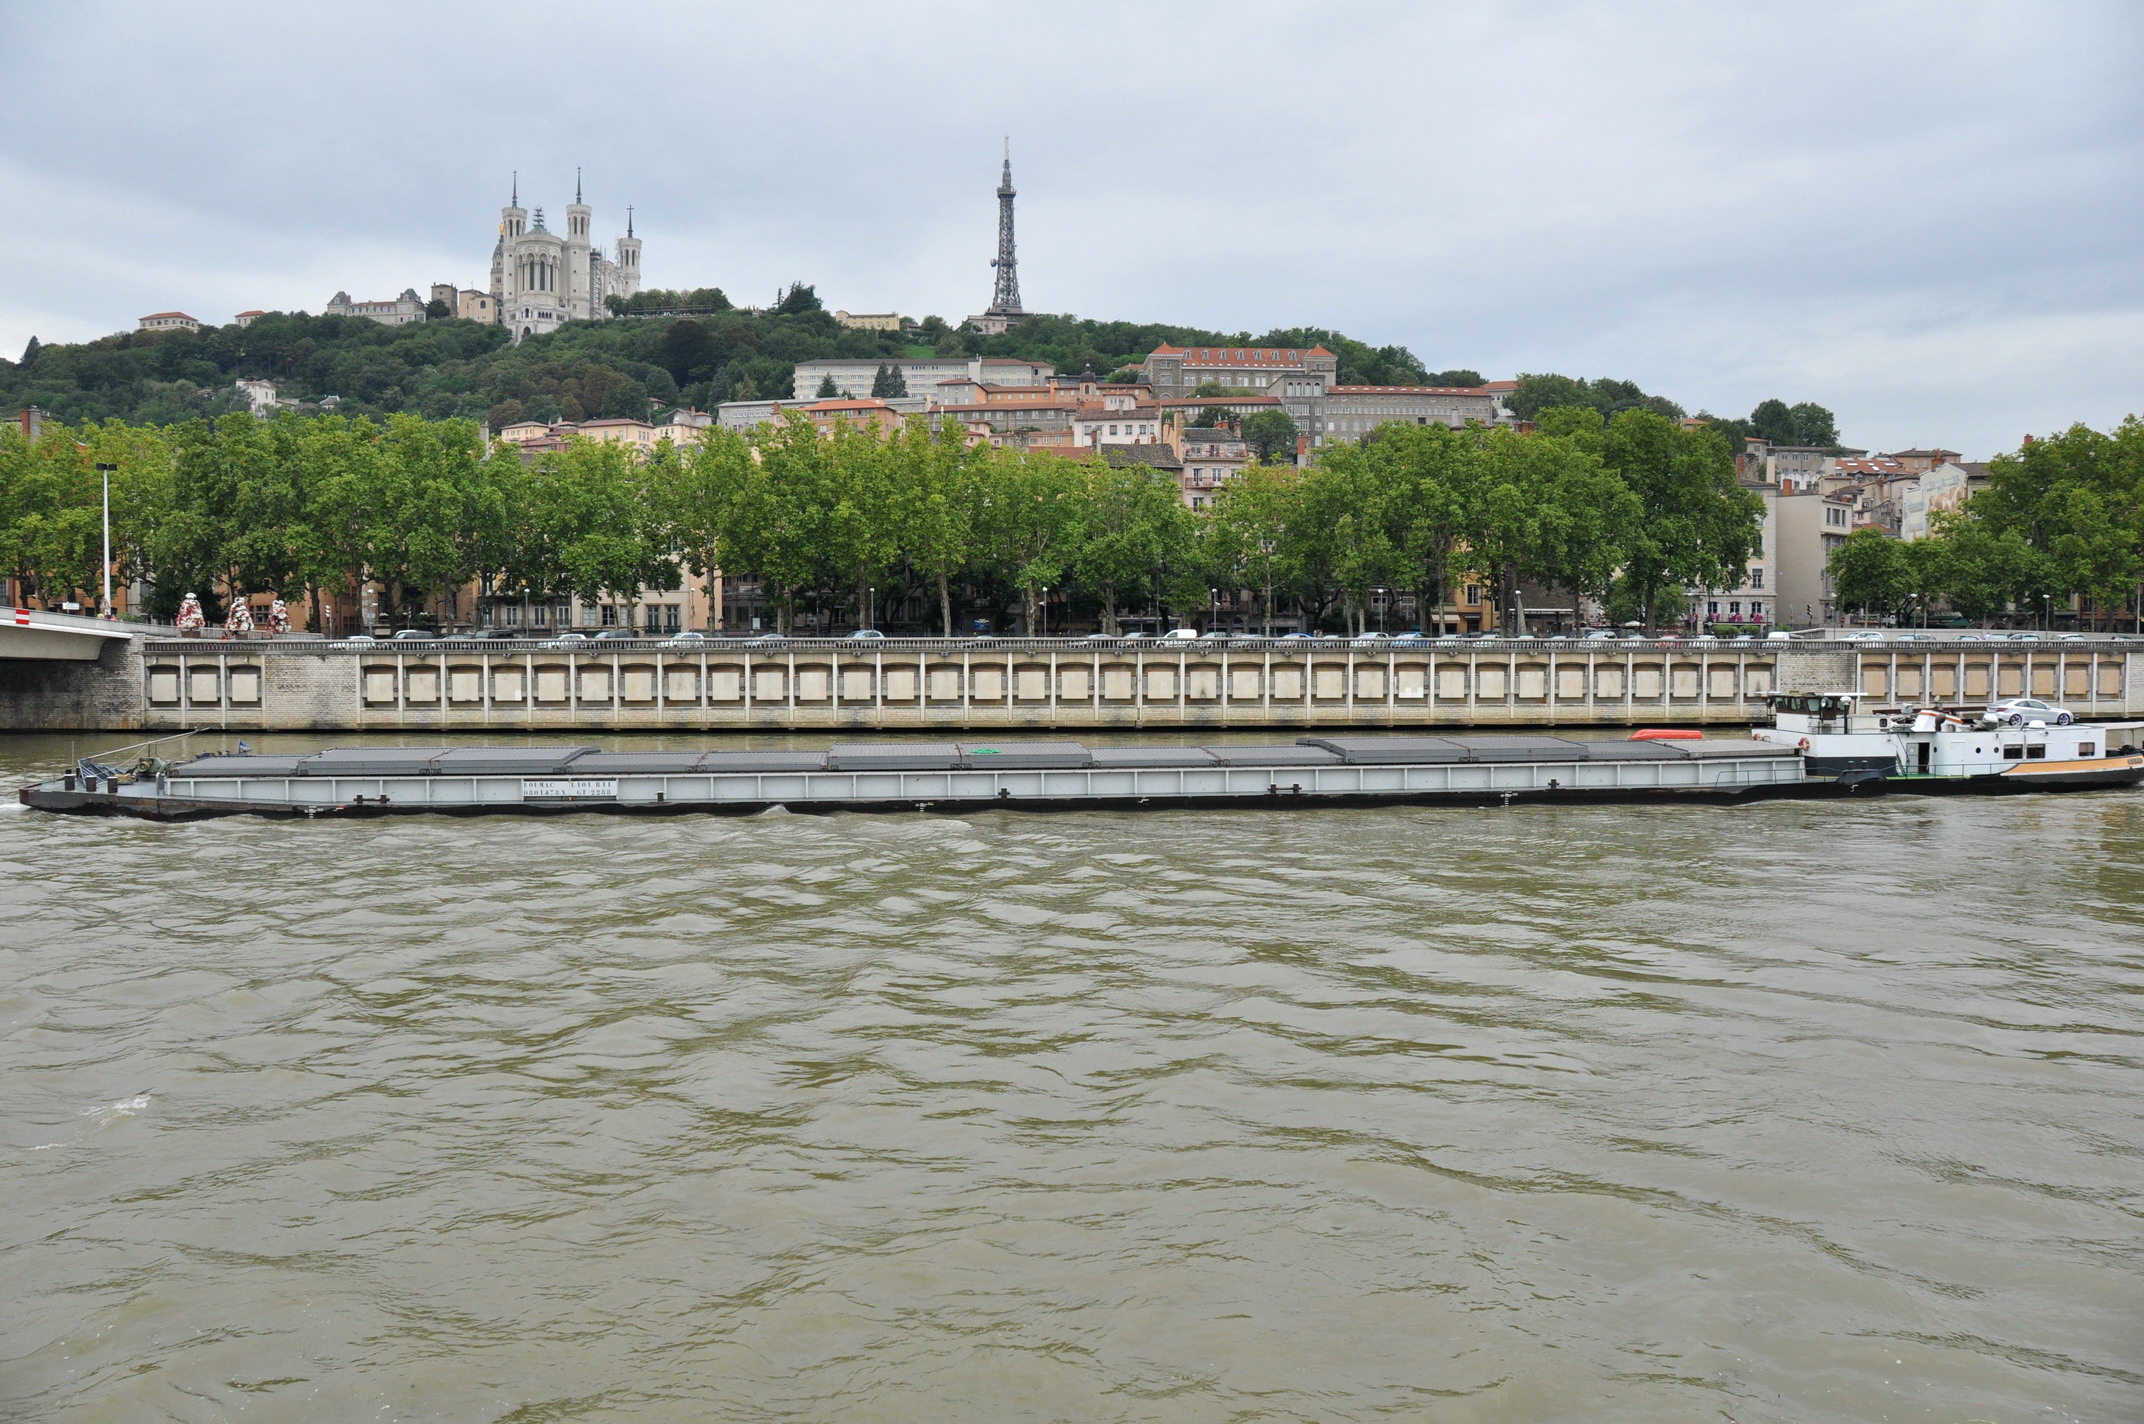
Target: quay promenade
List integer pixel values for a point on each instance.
(162, 684)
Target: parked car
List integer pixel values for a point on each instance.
(617, 635)
(684, 640)
(357, 640)
(1778, 636)
(2024, 637)
(767, 640)
(1297, 638)
(1862, 637)
(414, 635)
(569, 640)
(1598, 635)
(1181, 635)
(1104, 638)
(865, 635)
(1216, 635)
(492, 635)
(2017, 711)
(1914, 638)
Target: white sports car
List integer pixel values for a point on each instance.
(2017, 711)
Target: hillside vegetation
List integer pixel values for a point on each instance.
(628, 366)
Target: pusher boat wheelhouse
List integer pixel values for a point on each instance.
(1935, 748)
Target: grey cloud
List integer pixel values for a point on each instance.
(1922, 215)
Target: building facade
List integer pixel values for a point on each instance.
(1351, 412)
(541, 279)
(401, 311)
(1809, 527)
(169, 321)
(852, 378)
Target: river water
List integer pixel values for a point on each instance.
(1787, 1112)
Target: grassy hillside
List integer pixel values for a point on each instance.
(623, 367)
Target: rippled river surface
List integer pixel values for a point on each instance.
(1795, 1112)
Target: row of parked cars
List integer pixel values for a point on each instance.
(1872, 636)
(417, 636)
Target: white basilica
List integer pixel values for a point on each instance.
(540, 279)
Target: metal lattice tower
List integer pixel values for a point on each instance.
(1005, 298)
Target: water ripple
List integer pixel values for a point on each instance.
(1783, 1112)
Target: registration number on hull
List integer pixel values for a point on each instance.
(564, 790)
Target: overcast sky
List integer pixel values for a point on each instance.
(1924, 216)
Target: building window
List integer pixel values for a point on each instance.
(1756, 578)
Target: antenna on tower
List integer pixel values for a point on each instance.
(515, 201)
(576, 185)
(629, 221)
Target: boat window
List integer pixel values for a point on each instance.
(2013, 753)
(2085, 749)
(2036, 753)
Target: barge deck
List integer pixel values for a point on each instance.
(944, 777)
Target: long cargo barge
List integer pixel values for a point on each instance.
(946, 776)
(1819, 744)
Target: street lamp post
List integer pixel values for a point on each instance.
(871, 617)
(1213, 619)
(106, 471)
(1380, 611)
(1045, 610)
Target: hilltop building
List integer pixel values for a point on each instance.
(922, 375)
(1305, 383)
(401, 311)
(541, 279)
(169, 321)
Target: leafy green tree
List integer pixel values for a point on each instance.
(696, 491)
(940, 480)
(798, 300)
(1030, 522)
(828, 390)
(1536, 393)
(1868, 571)
(1694, 525)
(1132, 523)
(601, 520)
(1247, 528)
(687, 351)
(1806, 424)
(1271, 433)
(1457, 376)
(2076, 499)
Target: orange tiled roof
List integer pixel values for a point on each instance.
(153, 316)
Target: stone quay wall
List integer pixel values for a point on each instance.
(901, 685)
